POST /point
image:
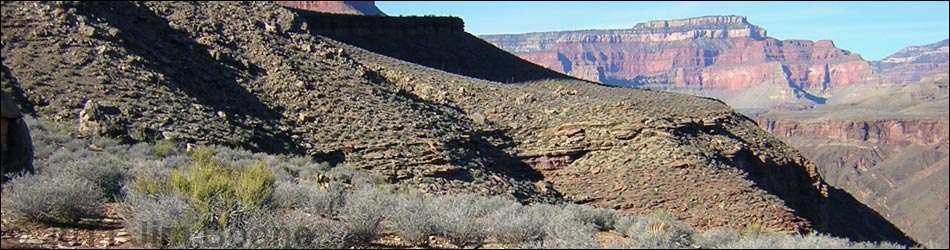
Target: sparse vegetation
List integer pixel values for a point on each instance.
(224, 198)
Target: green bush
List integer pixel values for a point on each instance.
(165, 148)
(216, 191)
(255, 186)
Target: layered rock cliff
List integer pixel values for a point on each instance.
(367, 8)
(913, 63)
(891, 132)
(697, 55)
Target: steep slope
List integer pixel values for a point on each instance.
(888, 146)
(913, 63)
(719, 56)
(188, 72)
(193, 72)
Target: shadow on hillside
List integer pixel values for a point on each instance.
(189, 68)
(839, 214)
(850, 218)
(16, 92)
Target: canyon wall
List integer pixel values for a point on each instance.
(887, 146)
(891, 132)
(711, 53)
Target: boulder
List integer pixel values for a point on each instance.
(16, 145)
(101, 118)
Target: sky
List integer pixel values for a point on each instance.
(872, 29)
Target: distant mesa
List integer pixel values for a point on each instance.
(366, 8)
(914, 63)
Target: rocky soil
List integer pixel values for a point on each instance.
(193, 72)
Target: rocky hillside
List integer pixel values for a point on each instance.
(913, 63)
(367, 8)
(721, 56)
(887, 146)
(191, 71)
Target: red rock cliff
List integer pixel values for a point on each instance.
(712, 53)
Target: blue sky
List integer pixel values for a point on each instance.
(872, 29)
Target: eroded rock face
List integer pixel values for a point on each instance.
(704, 53)
(913, 63)
(367, 8)
(17, 145)
(891, 132)
(888, 147)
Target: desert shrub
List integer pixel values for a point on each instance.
(658, 232)
(293, 195)
(96, 159)
(107, 172)
(217, 192)
(756, 229)
(165, 148)
(516, 224)
(259, 230)
(716, 238)
(161, 219)
(562, 230)
(363, 210)
(47, 138)
(54, 198)
(413, 218)
(254, 186)
(623, 223)
(602, 218)
(329, 200)
(460, 217)
(322, 199)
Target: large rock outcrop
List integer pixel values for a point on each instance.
(367, 8)
(712, 55)
(913, 63)
(16, 145)
(435, 42)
